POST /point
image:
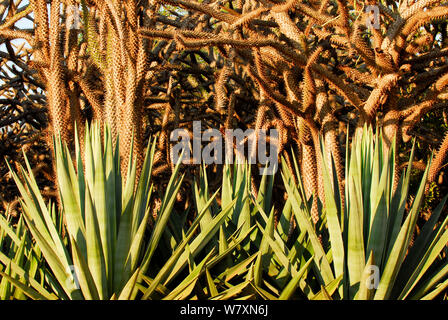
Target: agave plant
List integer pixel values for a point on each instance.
(372, 236)
(256, 263)
(22, 258)
(105, 220)
(226, 242)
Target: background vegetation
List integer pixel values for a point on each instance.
(314, 70)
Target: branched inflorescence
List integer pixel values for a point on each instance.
(147, 67)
